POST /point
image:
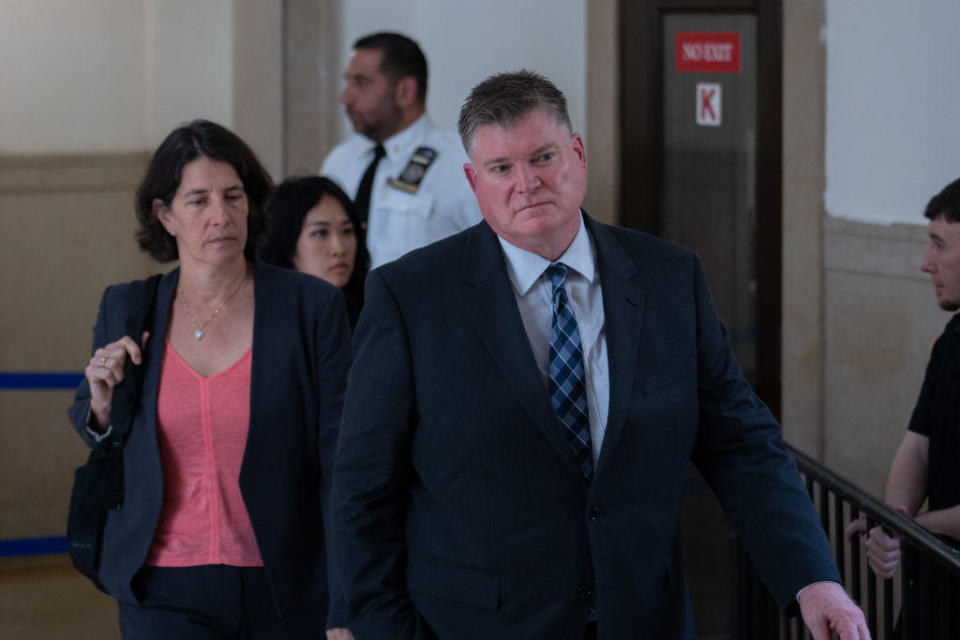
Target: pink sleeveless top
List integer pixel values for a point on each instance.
(202, 426)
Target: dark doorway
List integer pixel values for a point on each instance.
(712, 186)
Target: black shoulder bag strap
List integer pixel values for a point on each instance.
(141, 302)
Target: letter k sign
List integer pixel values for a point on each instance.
(709, 104)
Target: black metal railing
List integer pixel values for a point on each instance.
(921, 602)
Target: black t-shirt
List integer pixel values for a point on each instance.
(937, 416)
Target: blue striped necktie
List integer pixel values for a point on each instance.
(567, 381)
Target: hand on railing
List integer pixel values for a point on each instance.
(883, 549)
(827, 609)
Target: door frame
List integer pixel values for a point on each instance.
(641, 83)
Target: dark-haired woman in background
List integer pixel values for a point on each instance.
(227, 466)
(315, 229)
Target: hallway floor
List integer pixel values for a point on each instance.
(44, 598)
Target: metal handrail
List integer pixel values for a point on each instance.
(899, 524)
(929, 576)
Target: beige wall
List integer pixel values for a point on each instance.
(67, 63)
(880, 321)
(803, 185)
(189, 71)
(258, 76)
(68, 227)
(602, 126)
(312, 68)
(111, 75)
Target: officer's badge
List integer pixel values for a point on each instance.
(411, 176)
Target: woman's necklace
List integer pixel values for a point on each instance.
(200, 329)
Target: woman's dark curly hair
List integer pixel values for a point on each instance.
(199, 139)
(288, 208)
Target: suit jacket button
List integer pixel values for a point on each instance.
(585, 592)
(595, 514)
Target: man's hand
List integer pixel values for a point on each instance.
(826, 609)
(883, 550)
(339, 634)
(856, 526)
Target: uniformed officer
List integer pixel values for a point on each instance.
(405, 175)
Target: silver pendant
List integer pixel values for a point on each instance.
(198, 334)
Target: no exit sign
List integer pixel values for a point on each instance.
(708, 52)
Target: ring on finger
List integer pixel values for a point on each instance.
(102, 361)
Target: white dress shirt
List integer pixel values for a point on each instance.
(534, 295)
(399, 221)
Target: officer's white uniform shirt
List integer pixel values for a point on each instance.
(400, 221)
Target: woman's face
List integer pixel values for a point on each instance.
(327, 246)
(208, 214)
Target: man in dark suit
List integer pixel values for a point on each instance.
(524, 399)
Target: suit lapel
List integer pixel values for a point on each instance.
(623, 301)
(491, 306)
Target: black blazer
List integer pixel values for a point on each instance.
(459, 509)
(301, 356)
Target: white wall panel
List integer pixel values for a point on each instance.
(892, 93)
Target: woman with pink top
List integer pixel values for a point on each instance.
(227, 465)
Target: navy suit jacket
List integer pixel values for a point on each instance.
(301, 355)
(459, 509)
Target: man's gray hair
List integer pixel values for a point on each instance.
(505, 99)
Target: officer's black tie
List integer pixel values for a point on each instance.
(362, 200)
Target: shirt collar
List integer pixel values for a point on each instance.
(401, 144)
(525, 267)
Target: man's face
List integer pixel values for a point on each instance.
(942, 261)
(529, 181)
(369, 96)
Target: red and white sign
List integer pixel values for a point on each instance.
(702, 52)
(709, 104)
